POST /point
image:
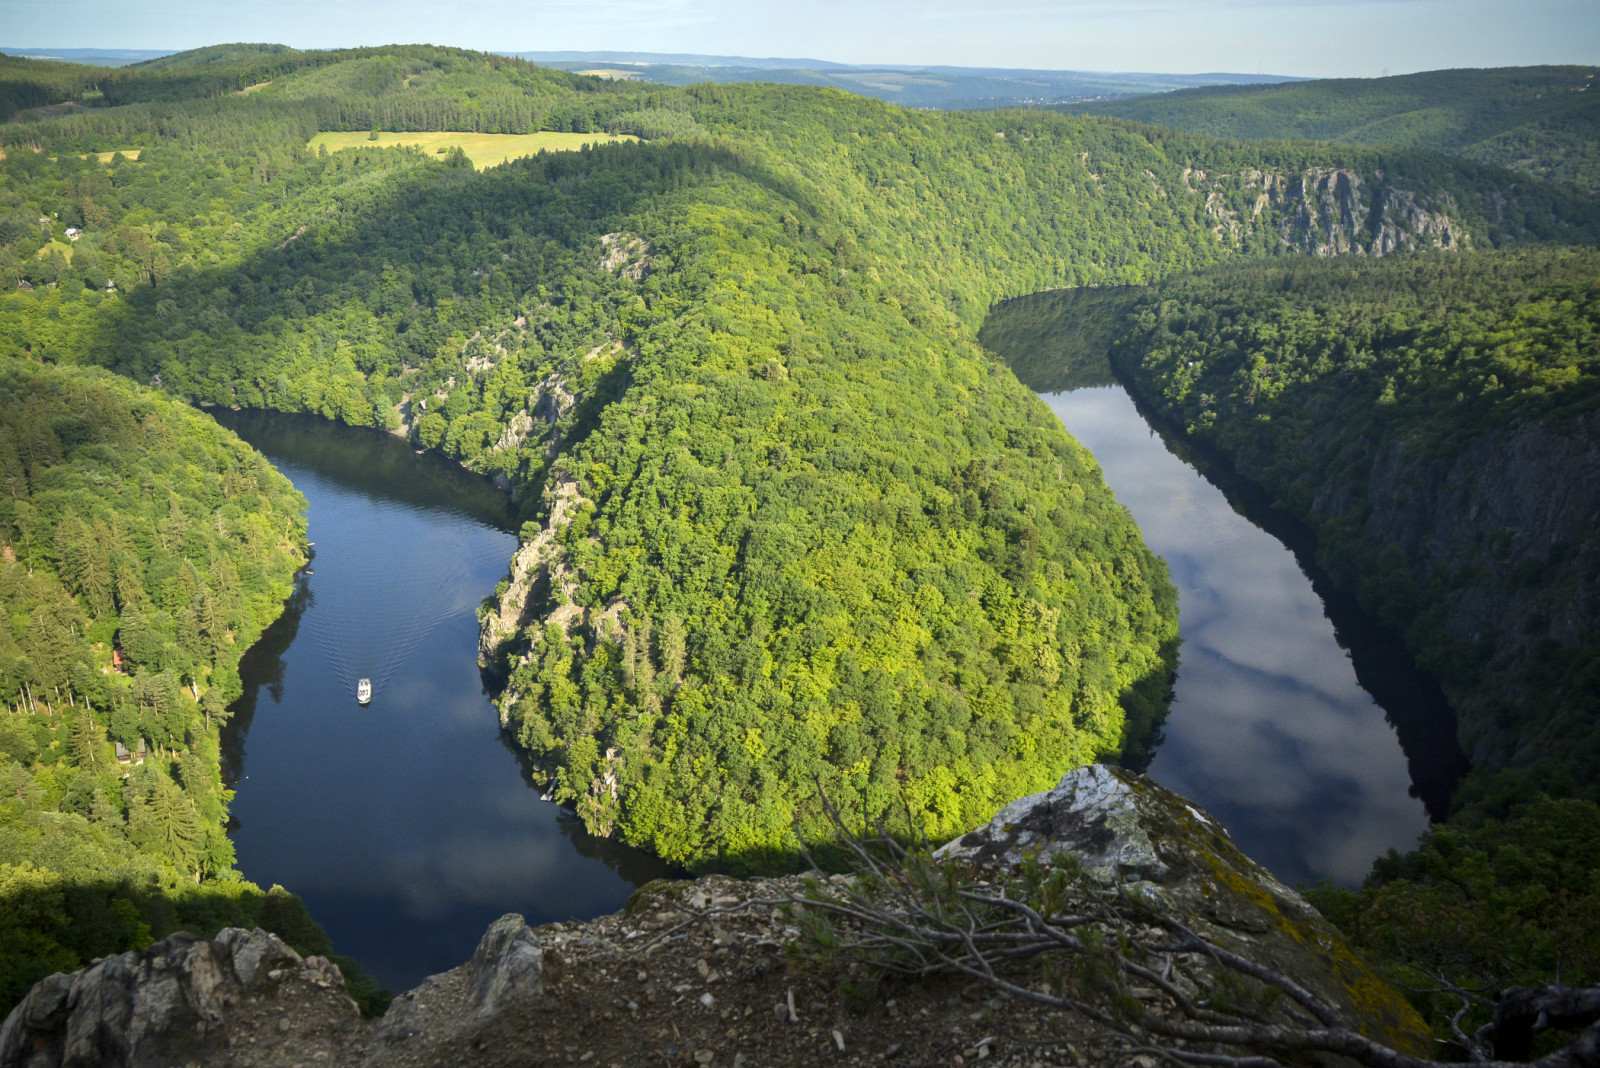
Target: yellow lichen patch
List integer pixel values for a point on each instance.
(1380, 1012)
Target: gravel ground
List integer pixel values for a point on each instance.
(652, 986)
(655, 986)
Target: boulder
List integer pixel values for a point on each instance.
(1125, 828)
(508, 965)
(174, 1002)
(504, 977)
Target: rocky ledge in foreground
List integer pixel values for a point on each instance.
(703, 973)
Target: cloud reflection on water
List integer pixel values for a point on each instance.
(1269, 728)
(406, 825)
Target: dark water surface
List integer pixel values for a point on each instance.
(1297, 720)
(408, 826)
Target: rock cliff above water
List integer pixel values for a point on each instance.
(697, 972)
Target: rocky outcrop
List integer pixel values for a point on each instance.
(700, 972)
(537, 569)
(504, 977)
(552, 400)
(183, 1000)
(1124, 828)
(1324, 211)
(627, 254)
(508, 966)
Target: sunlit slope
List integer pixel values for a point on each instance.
(1542, 121)
(790, 531)
(143, 549)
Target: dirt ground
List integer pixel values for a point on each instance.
(655, 987)
(649, 988)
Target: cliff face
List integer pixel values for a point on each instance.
(1324, 211)
(1486, 554)
(704, 973)
(1508, 531)
(1436, 421)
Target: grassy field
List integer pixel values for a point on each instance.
(103, 157)
(484, 150)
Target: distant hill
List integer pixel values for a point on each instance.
(223, 53)
(94, 57)
(1543, 121)
(228, 67)
(909, 86)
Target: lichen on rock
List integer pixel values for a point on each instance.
(1124, 828)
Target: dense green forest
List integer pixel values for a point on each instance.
(1542, 121)
(788, 527)
(1354, 390)
(787, 524)
(142, 550)
(1434, 419)
(1488, 902)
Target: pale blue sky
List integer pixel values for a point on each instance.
(1320, 38)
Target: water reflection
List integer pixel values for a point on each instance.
(1412, 700)
(370, 462)
(261, 667)
(406, 825)
(1273, 726)
(1269, 728)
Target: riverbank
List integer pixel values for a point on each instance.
(722, 971)
(407, 825)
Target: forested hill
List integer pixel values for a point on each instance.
(1542, 121)
(1435, 419)
(412, 88)
(788, 526)
(142, 550)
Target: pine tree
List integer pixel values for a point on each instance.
(672, 646)
(102, 811)
(20, 787)
(86, 739)
(96, 584)
(70, 551)
(164, 824)
(129, 584)
(13, 478)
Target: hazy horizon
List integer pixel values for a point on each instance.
(1295, 38)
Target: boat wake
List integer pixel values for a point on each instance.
(369, 614)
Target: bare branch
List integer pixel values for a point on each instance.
(906, 916)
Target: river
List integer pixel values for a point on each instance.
(408, 826)
(1297, 720)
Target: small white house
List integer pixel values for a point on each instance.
(73, 233)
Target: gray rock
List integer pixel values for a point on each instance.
(407, 1015)
(1125, 828)
(508, 965)
(164, 1006)
(1093, 814)
(253, 956)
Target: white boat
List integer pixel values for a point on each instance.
(364, 691)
